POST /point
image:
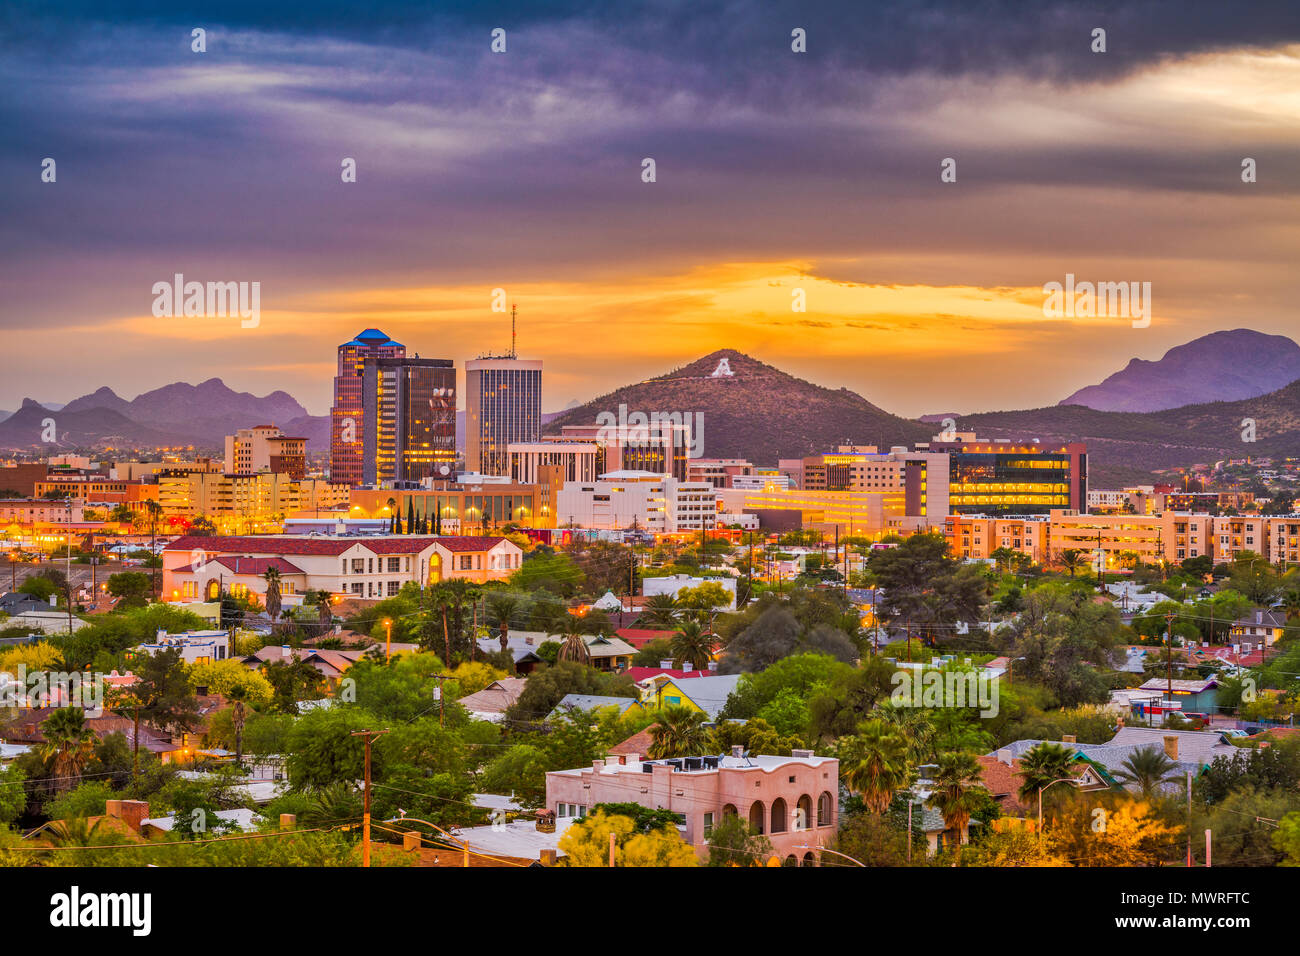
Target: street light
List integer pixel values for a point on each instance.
(388, 651)
(822, 849)
(1040, 799)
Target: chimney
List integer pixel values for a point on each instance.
(713, 665)
(548, 858)
(597, 766)
(632, 758)
(666, 665)
(411, 841)
(1004, 756)
(737, 751)
(1068, 738)
(286, 651)
(1171, 746)
(288, 821)
(801, 754)
(131, 812)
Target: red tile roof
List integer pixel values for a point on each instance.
(287, 544)
(639, 637)
(639, 744)
(254, 566)
(1003, 782)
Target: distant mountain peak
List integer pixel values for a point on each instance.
(1222, 366)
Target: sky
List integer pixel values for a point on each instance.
(777, 174)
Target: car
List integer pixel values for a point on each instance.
(1196, 715)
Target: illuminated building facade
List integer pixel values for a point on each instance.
(463, 508)
(1002, 477)
(265, 448)
(409, 414)
(503, 404)
(346, 415)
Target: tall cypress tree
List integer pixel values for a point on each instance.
(410, 516)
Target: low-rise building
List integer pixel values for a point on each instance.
(793, 801)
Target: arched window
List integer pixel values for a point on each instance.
(758, 817)
(778, 816)
(809, 859)
(802, 814)
(729, 810)
(791, 860)
(824, 806)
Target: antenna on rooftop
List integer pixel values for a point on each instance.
(513, 353)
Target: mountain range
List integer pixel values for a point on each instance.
(1221, 366)
(757, 411)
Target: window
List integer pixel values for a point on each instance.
(708, 823)
(466, 562)
(394, 587)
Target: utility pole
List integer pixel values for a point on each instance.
(67, 537)
(1169, 661)
(1189, 819)
(442, 707)
(365, 819)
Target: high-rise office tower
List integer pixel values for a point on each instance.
(347, 422)
(409, 410)
(503, 404)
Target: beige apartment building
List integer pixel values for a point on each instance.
(1171, 536)
(260, 497)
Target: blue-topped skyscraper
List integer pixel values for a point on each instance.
(347, 421)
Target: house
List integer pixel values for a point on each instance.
(1191, 751)
(25, 728)
(1199, 695)
(570, 702)
(195, 647)
(361, 567)
(240, 819)
(493, 700)
(609, 653)
(793, 800)
(1001, 777)
(639, 637)
(520, 645)
(706, 694)
(676, 583)
(330, 663)
(1259, 626)
(16, 602)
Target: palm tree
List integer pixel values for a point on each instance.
(1148, 768)
(677, 732)
(1072, 559)
(69, 746)
(574, 647)
(392, 516)
(1043, 764)
(237, 694)
(78, 831)
(660, 611)
(693, 643)
(1291, 603)
(956, 791)
(501, 608)
(917, 729)
(873, 763)
(272, 577)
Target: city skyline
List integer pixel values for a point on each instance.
(776, 171)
